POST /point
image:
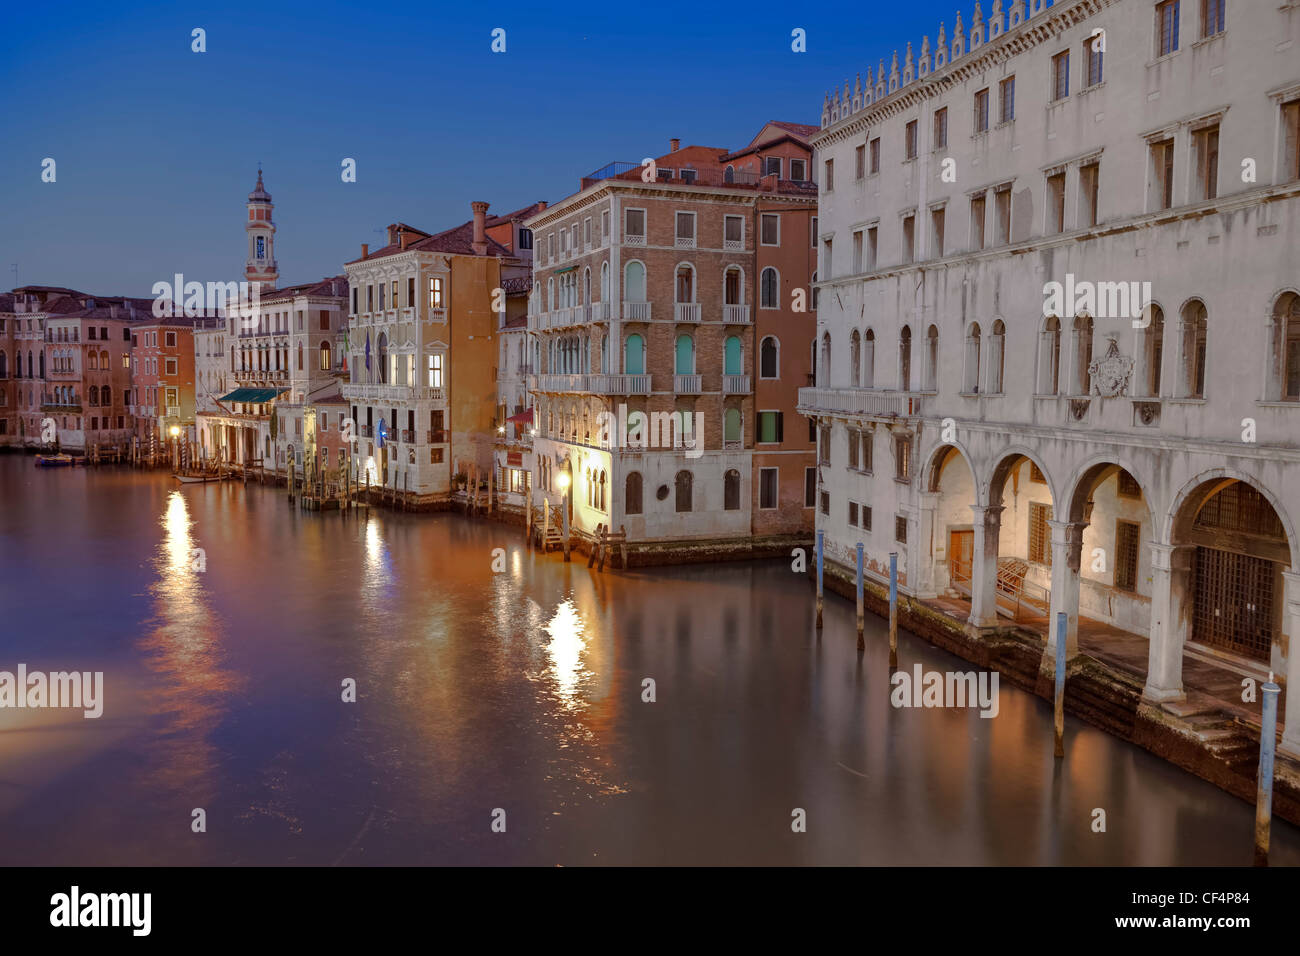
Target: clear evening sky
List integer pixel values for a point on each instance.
(157, 147)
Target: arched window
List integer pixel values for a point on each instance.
(1049, 357)
(300, 356)
(684, 362)
(106, 396)
(732, 426)
(1153, 350)
(326, 356)
(729, 174)
(586, 287)
(632, 494)
(1195, 333)
(1286, 349)
(905, 359)
(824, 364)
(997, 356)
(869, 359)
(93, 357)
(971, 382)
(550, 294)
(1082, 354)
(770, 291)
(733, 287)
(816, 293)
(683, 483)
(604, 281)
(855, 359)
(383, 359)
(634, 282)
(591, 490)
(685, 284)
(769, 365)
(4, 364)
(732, 363)
(600, 496)
(42, 366)
(931, 382)
(731, 490)
(103, 358)
(634, 355)
(94, 392)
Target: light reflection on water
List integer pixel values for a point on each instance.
(519, 690)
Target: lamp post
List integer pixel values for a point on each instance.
(563, 481)
(176, 459)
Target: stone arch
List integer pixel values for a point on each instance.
(1003, 463)
(1201, 488)
(1094, 471)
(938, 458)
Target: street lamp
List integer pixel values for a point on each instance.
(176, 459)
(562, 479)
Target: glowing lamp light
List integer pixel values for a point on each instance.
(175, 430)
(501, 429)
(562, 480)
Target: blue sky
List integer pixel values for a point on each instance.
(157, 147)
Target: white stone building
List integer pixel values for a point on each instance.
(1137, 468)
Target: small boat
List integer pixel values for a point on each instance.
(191, 479)
(55, 461)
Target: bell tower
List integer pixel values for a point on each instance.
(260, 268)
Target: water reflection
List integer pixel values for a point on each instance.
(565, 651)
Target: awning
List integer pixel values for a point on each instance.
(523, 418)
(253, 396)
(564, 270)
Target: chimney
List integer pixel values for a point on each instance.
(541, 205)
(406, 237)
(480, 227)
(365, 250)
(676, 144)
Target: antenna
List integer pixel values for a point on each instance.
(14, 267)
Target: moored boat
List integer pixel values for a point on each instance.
(54, 461)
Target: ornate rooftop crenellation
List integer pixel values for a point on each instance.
(843, 103)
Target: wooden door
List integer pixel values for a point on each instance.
(961, 551)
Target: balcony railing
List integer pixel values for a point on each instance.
(399, 393)
(686, 384)
(858, 401)
(735, 314)
(735, 385)
(686, 311)
(636, 311)
(602, 311)
(620, 384)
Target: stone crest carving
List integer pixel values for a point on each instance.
(1111, 374)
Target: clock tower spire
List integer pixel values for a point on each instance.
(260, 269)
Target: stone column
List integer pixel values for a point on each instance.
(926, 574)
(1171, 567)
(984, 566)
(1067, 545)
(1291, 626)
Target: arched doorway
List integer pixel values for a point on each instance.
(1018, 554)
(946, 527)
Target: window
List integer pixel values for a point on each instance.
(829, 180)
(1002, 214)
(683, 488)
(767, 487)
(854, 445)
(875, 155)
(1195, 332)
(731, 490)
(941, 128)
(435, 371)
(1082, 354)
(1007, 99)
(853, 514)
(634, 227)
(1153, 338)
(1040, 540)
(931, 381)
(325, 356)
(1167, 14)
(857, 250)
(169, 367)
(982, 111)
(1206, 143)
(1089, 182)
(872, 234)
(770, 428)
(1291, 141)
(860, 161)
(909, 238)
(824, 445)
(1061, 75)
(909, 139)
(772, 166)
(1092, 55)
(867, 450)
(768, 365)
(684, 362)
(525, 239)
(769, 291)
(902, 458)
(634, 355)
(900, 529)
(936, 232)
(972, 367)
(869, 359)
(586, 232)
(632, 494)
(1126, 486)
(1286, 346)
(1056, 203)
(905, 359)
(827, 249)
(1127, 537)
(1212, 17)
(733, 232)
(826, 503)
(798, 170)
(686, 230)
(435, 292)
(977, 207)
(410, 302)
(770, 226)
(809, 487)
(997, 356)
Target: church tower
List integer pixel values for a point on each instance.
(260, 268)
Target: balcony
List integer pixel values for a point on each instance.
(620, 384)
(602, 311)
(408, 436)
(867, 403)
(559, 383)
(437, 436)
(686, 311)
(735, 314)
(394, 393)
(735, 385)
(686, 384)
(630, 240)
(636, 311)
(366, 431)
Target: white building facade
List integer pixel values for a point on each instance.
(1059, 326)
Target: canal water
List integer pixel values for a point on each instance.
(225, 623)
